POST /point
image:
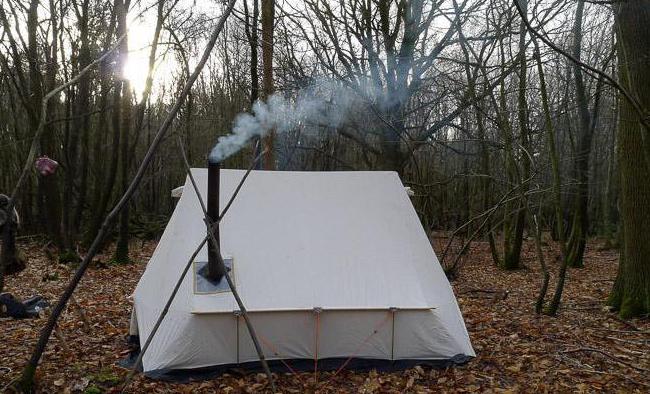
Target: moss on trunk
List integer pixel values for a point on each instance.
(631, 292)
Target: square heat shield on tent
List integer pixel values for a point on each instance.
(204, 285)
(347, 244)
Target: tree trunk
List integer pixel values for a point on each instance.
(515, 214)
(103, 183)
(48, 187)
(512, 256)
(81, 126)
(391, 156)
(253, 42)
(486, 180)
(557, 200)
(122, 248)
(631, 291)
(580, 224)
(268, 19)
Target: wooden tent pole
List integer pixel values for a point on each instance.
(211, 226)
(162, 315)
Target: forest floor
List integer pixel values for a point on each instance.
(585, 348)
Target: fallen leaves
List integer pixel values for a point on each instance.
(516, 349)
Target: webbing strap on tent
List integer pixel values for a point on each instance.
(317, 312)
(392, 311)
(237, 314)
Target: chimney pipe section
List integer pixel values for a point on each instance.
(215, 270)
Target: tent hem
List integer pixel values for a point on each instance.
(298, 365)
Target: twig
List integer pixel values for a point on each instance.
(630, 341)
(584, 308)
(59, 335)
(623, 322)
(640, 332)
(481, 291)
(590, 369)
(618, 360)
(494, 296)
(82, 314)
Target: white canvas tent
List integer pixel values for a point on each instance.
(330, 265)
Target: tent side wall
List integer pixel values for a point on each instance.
(203, 340)
(367, 251)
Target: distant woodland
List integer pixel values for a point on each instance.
(508, 120)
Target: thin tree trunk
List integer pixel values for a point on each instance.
(251, 24)
(122, 247)
(82, 123)
(268, 20)
(557, 198)
(512, 224)
(512, 255)
(48, 187)
(580, 223)
(486, 181)
(103, 183)
(537, 232)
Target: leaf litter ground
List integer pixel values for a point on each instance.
(585, 348)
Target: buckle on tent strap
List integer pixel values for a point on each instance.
(317, 310)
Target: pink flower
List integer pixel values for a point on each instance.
(46, 166)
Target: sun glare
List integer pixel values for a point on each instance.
(137, 65)
(135, 70)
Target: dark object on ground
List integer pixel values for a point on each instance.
(14, 307)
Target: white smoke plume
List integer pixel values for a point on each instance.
(323, 104)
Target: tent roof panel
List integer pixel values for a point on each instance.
(313, 239)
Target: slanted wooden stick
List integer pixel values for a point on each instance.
(162, 315)
(210, 227)
(26, 382)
